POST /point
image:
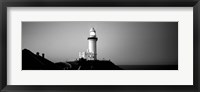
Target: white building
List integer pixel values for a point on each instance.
(91, 53)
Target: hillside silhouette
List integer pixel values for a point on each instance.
(31, 61)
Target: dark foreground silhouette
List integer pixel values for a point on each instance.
(31, 61)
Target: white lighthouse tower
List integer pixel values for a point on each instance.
(92, 45)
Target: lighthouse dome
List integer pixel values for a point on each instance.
(92, 29)
(92, 32)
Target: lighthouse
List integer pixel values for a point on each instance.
(92, 44)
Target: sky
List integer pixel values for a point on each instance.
(124, 43)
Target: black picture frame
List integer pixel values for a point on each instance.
(98, 3)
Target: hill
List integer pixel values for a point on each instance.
(31, 61)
